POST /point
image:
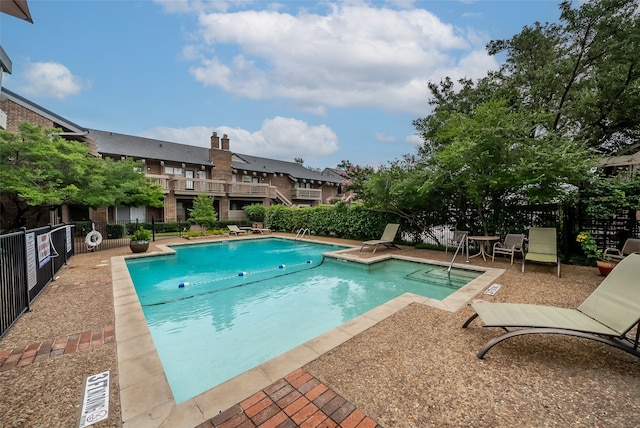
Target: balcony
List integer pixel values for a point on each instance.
(307, 194)
(256, 190)
(160, 180)
(194, 186)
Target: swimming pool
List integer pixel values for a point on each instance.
(243, 297)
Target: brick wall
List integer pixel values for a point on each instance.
(170, 208)
(16, 114)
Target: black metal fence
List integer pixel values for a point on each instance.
(29, 259)
(111, 235)
(117, 234)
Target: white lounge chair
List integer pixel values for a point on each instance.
(607, 315)
(235, 230)
(259, 228)
(386, 239)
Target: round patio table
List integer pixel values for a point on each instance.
(483, 241)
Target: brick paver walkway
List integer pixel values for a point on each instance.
(38, 351)
(298, 400)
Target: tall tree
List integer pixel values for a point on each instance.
(523, 133)
(202, 212)
(38, 168)
(584, 70)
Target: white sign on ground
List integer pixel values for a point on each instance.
(95, 405)
(493, 289)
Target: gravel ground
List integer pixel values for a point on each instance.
(417, 368)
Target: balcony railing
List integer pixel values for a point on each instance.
(198, 185)
(309, 194)
(193, 186)
(160, 180)
(251, 189)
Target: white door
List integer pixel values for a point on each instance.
(137, 213)
(188, 185)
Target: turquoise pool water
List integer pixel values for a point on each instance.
(219, 309)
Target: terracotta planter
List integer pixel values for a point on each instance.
(605, 266)
(139, 246)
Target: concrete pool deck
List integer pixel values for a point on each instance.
(145, 395)
(414, 368)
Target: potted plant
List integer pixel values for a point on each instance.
(594, 255)
(140, 240)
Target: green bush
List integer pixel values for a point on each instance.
(115, 231)
(141, 234)
(82, 228)
(172, 226)
(255, 212)
(210, 232)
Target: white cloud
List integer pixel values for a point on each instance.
(414, 139)
(384, 138)
(354, 55)
(51, 79)
(278, 138)
(193, 135)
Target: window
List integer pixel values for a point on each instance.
(170, 170)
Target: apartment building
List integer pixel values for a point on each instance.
(184, 171)
(233, 179)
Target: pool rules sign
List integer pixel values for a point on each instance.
(95, 405)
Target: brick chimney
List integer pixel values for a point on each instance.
(220, 157)
(215, 141)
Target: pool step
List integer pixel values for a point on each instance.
(440, 277)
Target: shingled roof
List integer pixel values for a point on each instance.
(271, 166)
(114, 144)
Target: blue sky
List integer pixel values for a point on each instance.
(317, 80)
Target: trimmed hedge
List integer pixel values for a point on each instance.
(352, 222)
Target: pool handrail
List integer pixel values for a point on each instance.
(464, 239)
(301, 233)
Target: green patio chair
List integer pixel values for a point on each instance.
(607, 315)
(542, 247)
